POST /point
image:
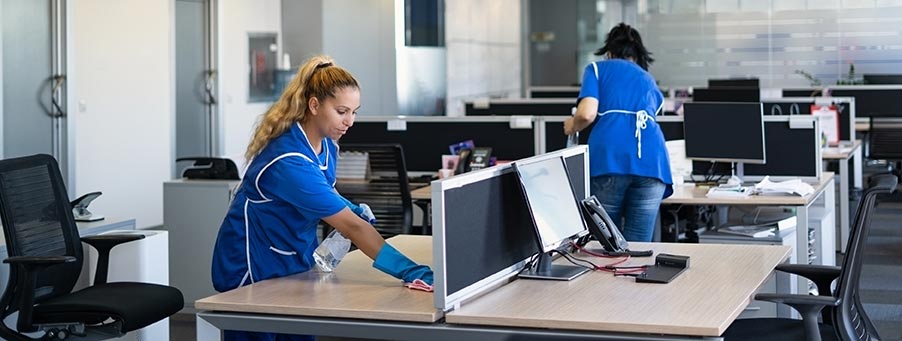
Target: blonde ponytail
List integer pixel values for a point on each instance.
(319, 77)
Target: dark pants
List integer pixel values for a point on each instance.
(634, 199)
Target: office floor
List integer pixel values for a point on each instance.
(881, 279)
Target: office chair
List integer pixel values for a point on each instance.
(843, 315)
(885, 143)
(45, 257)
(388, 190)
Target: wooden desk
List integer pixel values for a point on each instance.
(357, 301)
(354, 290)
(703, 301)
(422, 193)
(815, 209)
(847, 151)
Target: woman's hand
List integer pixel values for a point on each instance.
(586, 112)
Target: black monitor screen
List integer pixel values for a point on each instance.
(551, 201)
(873, 102)
(731, 132)
(739, 94)
(733, 82)
(883, 79)
(487, 228)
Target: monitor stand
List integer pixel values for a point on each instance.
(545, 270)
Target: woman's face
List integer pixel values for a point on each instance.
(335, 115)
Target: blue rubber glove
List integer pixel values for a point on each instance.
(391, 261)
(363, 211)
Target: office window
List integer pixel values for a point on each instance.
(424, 22)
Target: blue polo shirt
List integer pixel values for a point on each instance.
(625, 140)
(270, 228)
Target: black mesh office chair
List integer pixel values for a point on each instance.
(388, 190)
(885, 143)
(843, 315)
(45, 257)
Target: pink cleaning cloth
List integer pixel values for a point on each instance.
(419, 284)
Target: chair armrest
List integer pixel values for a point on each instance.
(31, 266)
(822, 275)
(35, 261)
(103, 244)
(808, 306)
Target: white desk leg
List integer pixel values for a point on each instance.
(857, 178)
(843, 206)
(801, 248)
(207, 331)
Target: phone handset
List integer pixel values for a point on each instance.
(603, 228)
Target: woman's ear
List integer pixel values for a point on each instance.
(313, 105)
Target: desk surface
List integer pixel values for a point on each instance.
(354, 290)
(689, 194)
(704, 300)
(844, 151)
(422, 193)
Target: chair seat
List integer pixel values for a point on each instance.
(137, 305)
(773, 329)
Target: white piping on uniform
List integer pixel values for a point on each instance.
(247, 236)
(247, 243)
(282, 252)
(321, 166)
(257, 180)
(246, 274)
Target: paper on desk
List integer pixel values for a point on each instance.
(680, 166)
(788, 187)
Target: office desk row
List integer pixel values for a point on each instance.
(358, 301)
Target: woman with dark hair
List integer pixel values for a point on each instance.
(629, 166)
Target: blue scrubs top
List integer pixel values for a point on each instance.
(626, 140)
(270, 228)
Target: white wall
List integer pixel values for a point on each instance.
(483, 50)
(302, 29)
(121, 68)
(360, 36)
(237, 18)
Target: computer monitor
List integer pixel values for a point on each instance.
(734, 82)
(882, 78)
(555, 212)
(729, 132)
(728, 94)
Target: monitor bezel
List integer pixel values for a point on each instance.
(761, 161)
(546, 247)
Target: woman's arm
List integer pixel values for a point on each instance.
(586, 112)
(360, 232)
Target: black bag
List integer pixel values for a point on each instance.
(210, 168)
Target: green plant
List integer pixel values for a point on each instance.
(811, 79)
(850, 77)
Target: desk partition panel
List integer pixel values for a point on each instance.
(425, 139)
(482, 228)
(521, 106)
(568, 92)
(802, 106)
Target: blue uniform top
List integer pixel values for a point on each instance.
(270, 228)
(626, 140)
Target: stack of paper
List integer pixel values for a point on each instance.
(754, 231)
(788, 187)
(729, 192)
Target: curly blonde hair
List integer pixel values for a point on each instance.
(319, 77)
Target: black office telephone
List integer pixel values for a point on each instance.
(605, 231)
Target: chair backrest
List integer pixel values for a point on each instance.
(849, 319)
(37, 221)
(885, 139)
(388, 190)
